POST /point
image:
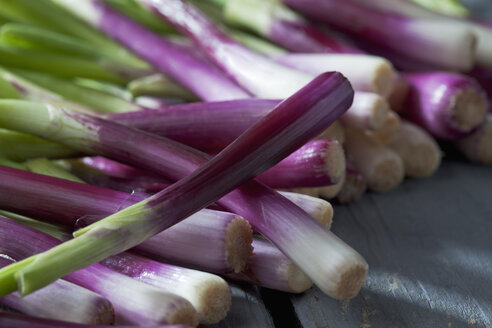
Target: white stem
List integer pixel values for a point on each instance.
(365, 72)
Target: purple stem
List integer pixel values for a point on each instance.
(200, 241)
(8, 319)
(134, 302)
(57, 300)
(200, 77)
(449, 106)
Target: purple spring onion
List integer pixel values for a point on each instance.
(212, 126)
(408, 9)
(317, 163)
(199, 77)
(381, 167)
(339, 271)
(447, 105)
(272, 269)
(416, 38)
(57, 302)
(274, 21)
(208, 240)
(134, 302)
(258, 74)
(8, 319)
(209, 294)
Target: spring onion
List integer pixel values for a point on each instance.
(199, 77)
(449, 106)
(208, 240)
(296, 120)
(417, 38)
(209, 294)
(134, 302)
(56, 302)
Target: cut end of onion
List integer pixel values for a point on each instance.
(389, 130)
(105, 314)
(424, 162)
(379, 114)
(384, 78)
(351, 281)
(238, 243)
(387, 173)
(353, 188)
(478, 146)
(297, 280)
(469, 109)
(184, 314)
(215, 302)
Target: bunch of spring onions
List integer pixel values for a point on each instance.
(151, 151)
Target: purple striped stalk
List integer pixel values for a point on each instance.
(206, 82)
(209, 294)
(58, 301)
(417, 38)
(134, 302)
(270, 268)
(447, 105)
(407, 9)
(258, 74)
(208, 240)
(419, 152)
(214, 125)
(212, 241)
(353, 187)
(381, 167)
(336, 268)
(279, 24)
(477, 147)
(317, 163)
(365, 72)
(207, 126)
(319, 209)
(8, 319)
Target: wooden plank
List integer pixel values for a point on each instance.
(429, 246)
